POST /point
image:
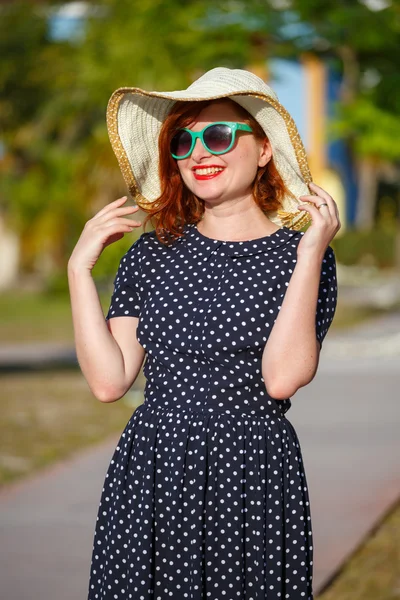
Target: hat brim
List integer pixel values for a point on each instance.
(134, 120)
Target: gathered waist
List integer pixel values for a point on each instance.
(274, 409)
(210, 387)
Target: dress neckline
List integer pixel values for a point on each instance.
(265, 238)
(203, 245)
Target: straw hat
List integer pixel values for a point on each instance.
(135, 117)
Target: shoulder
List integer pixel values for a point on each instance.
(134, 255)
(145, 241)
(148, 250)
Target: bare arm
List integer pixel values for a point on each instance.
(290, 357)
(108, 352)
(291, 354)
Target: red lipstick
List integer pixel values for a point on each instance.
(205, 172)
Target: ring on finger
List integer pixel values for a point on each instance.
(322, 204)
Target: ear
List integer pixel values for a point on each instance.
(265, 153)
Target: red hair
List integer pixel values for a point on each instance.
(177, 205)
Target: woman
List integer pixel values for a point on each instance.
(206, 495)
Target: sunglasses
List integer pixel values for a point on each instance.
(216, 138)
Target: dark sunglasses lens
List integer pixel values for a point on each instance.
(218, 137)
(180, 143)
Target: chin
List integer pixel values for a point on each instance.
(211, 200)
(207, 195)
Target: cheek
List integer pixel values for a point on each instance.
(249, 154)
(184, 172)
(248, 165)
(182, 167)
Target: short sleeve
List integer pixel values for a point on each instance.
(327, 295)
(126, 297)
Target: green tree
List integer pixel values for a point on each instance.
(360, 39)
(59, 167)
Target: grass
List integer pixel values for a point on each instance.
(47, 416)
(373, 572)
(31, 317)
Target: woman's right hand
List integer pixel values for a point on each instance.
(107, 226)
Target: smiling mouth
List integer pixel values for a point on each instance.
(207, 172)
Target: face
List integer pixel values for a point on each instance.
(229, 176)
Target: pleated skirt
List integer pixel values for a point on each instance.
(203, 505)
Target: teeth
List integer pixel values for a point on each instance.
(208, 170)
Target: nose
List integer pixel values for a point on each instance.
(199, 151)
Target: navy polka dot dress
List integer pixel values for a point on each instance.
(206, 495)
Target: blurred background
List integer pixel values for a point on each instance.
(334, 65)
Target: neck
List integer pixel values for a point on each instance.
(236, 221)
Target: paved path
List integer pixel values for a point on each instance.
(348, 423)
(46, 529)
(347, 420)
(36, 355)
(379, 337)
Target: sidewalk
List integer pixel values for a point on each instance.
(36, 355)
(348, 422)
(46, 529)
(379, 337)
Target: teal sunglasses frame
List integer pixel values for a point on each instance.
(234, 127)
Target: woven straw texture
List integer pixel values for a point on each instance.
(135, 117)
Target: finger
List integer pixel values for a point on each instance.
(320, 204)
(313, 211)
(327, 198)
(110, 206)
(327, 209)
(319, 191)
(117, 212)
(121, 221)
(116, 229)
(313, 199)
(323, 211)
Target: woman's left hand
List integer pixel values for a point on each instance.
(325, 222)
